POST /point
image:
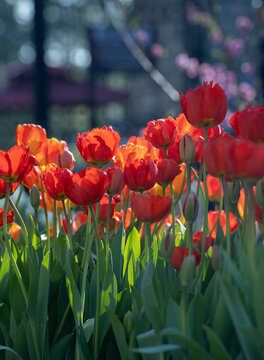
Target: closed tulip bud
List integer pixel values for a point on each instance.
(215, 257)
(187, 270)
(260, 193)
(65, 160)
(190, 208)
(34, 197)
(233, 192)
(128, 322)
(187, 149)
(116, 180)
(167, 245)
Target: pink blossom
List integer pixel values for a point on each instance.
(248, 68)
(142, 36)
(181, 60)
(235, 47)
(247, 91)
(244, 23)
(216, 35)
(157, 50)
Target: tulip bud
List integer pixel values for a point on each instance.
(260, 193)
(190, 208)
(233, 192)
(215, 257)
(128, 322)
(187, 149)
(65, 160)
(167, 245)
(34, 197)
(116, 180)
(187, 270)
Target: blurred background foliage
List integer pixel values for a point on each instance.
(91, 79)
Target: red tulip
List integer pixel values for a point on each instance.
(213, 185)
(86, 187)
(168, 169)
(32, 136)
(34, 178)
(3, 187)
(65, 160)
(161, 133)
(248, 123)
(15, 163)
(10, 217)
(98, 146)
(179, 254)
(104, 208)
(53, 181)
(198, 239)
(116, 180)
(150, 208)
(205, 107)
(49, 201)
(140, 175)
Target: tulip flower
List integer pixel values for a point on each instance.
(198, 238)
(53, 181)
(116, 180)
(180, 253)
(49, 152)
(32, 136)
(248, 123)
(212, 218)
(65, 160)
(10, 217)
(140, 175)
(85, 187)
(205, 107)
(168, 169)
(3, 187)
(150, 208)
(161, 133)
(34, 178)
(49, 201)
(98, 146)
(15, 163)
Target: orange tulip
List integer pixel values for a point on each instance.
(98, 146)
(212, 218)
(241, 204)
(49, 152)
(14, 231)
(32, 136)
(152, 152)
(213, 185)
(15, 163)
(128, 153)
(34, 178)
(204, 107)
(50, 203)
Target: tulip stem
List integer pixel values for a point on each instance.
(18, 215)
(198, 179)
(36, 219)
(226, 203)
(20, 194)
(6, 237)
(220, 208)
(85, 260)
(189, 236)
(47, 222)
(206, 203)
(96, 326)
(182, 187)
(68, 222)
(107, 246)
(189, 178)
(55, 224)
(148, 241)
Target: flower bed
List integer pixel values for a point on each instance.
(131, 268)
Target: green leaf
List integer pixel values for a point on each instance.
(63, 246)
(120, 335)
(88, 328)
(109, 292)
(198, 351)
(6, 348)
(43, 297)
(4, 275)
(59, 349)
(131, 254)
(217, 347)
(156, 349)
(116, 250)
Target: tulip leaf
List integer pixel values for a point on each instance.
(59, 349)
(63, 245)
(116, 250)
(6, 348)
(156, 349)
(109, 292)
(120, 335)
(4, 274)
(217, 348)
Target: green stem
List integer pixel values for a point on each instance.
(189, 178)
(18, 215)
(148, 241)
(172, 204)
(55, 224)
(68, 221)
(57, 334)
(20, 194)
(226, 203)
(198, 179)
(36, 219)
(189, 236)
(35, 340)
(220, 208)
(183, 317)
(206, 203)
(6, 237)
(96, 326)
(85, 260)
(107, 246)
(47, 222)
